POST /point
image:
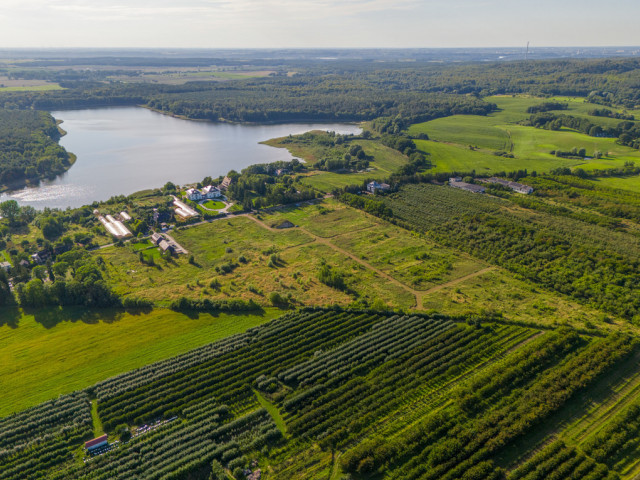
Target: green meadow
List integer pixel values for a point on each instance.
(34, 88)
(50, 351)
(626, 183)
(468, 142)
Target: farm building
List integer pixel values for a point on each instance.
(211, 192)
(183, 210)
(114, 227)
(373, 186)
(515, 186)
(194, 194)
(456, 182)
(96, 442)
(156, 238)
(166, 246)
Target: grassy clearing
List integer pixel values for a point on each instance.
(141, 244)
(385, 162)
(273, 411)
(625, 183)
(449, 157)
(328, 181)
(97, 423)
(247, 248)
(413, 260)
(328, 219)
(49, 352)
(212, 245)
(499, 291)
(32, 88)
(531, 147)
(464, 130)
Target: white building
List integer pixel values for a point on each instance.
(211, 192)
(194, 194)
(373, 186)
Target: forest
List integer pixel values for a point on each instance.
(349, 90)
(29, 146)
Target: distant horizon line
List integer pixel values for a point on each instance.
(524, 46)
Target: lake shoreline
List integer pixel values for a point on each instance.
(121, 150)
(253, 124)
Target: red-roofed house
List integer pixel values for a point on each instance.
(96, 442)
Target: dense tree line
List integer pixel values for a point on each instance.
(403, 93)
(605, 112)
(208, 305)
(78, 280)
(258, 186)
(29, 146)
(547, 106)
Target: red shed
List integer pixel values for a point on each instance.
(96, 442)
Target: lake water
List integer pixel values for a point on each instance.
(126, 149)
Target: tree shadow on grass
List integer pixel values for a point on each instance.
(194, 314)
(10, 316)
(50, 317)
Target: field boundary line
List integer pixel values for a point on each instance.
(328, 243)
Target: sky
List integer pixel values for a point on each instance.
(317, 23)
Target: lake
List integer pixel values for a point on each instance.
(126, 149)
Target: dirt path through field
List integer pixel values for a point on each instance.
(418, 294)
(457, 280)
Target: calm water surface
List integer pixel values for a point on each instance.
(123, 150)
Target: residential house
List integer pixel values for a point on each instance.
(41, 257)
(373, 186)
(166, 246)
(156, 238)
(211, 192)
(194, 194)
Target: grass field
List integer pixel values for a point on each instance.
(33, 88)
(49, 352)
(413, 260)
(328, 219)
(214, 204)
(465, 130)
(625, 183)
(499, 291)
(385, 162)
(531, 147)
(255, 276)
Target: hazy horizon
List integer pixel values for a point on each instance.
(308, 24)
